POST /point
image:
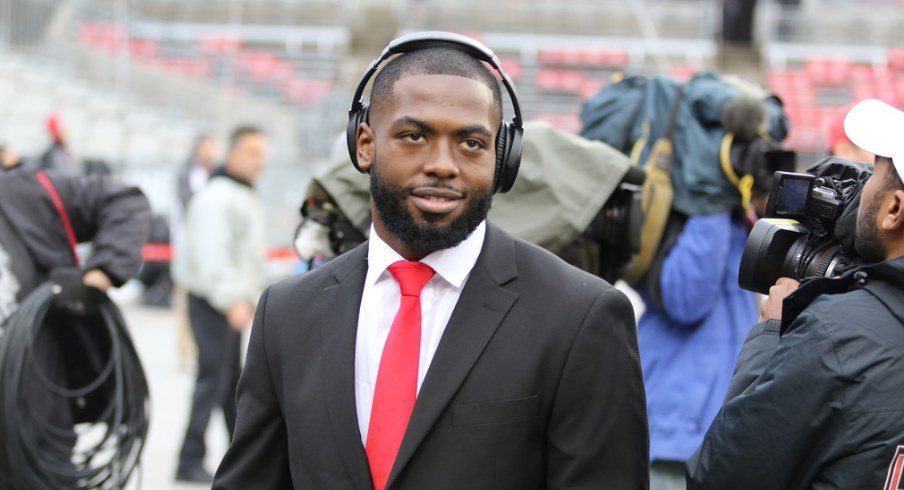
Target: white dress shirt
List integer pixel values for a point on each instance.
(380, 303)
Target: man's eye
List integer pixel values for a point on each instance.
(413, 137)
(473, 144)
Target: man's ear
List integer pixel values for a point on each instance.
(893, 217)
(365, 140)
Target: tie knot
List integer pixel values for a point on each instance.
(411, 276)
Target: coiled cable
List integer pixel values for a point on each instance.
(55, 434)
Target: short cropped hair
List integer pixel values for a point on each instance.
(432, 61)
(893, 181)
(242, 131)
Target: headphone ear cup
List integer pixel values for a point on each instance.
(355, 118)
(508, 157)
(501, 151)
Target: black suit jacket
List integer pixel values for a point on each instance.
(535, 384)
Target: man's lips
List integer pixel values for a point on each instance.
(436, 200)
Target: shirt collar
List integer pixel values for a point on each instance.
(452, 264)
(222, 172)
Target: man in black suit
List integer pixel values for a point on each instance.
(523, 372)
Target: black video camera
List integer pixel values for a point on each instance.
(809, 226)
(617, 227)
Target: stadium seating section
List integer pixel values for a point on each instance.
(817, 89)
(304, 79)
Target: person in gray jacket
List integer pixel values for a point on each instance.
(221, 262)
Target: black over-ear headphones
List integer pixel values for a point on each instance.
(508, 142)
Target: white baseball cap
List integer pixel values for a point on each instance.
(878, 128)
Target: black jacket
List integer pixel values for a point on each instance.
(536, 384)
(33, 241)
(58, 159)
(827, 411)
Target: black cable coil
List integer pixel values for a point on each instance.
(74, 402)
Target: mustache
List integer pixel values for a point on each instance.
(434, 185)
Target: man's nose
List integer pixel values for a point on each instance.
(441, 162)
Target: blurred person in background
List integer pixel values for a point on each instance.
(8, 158)
(57, 156)
(114, 217)
(840, 145)
(221, 262)
(35, 246)
(694, 325)
(193, 175)
(690, 335)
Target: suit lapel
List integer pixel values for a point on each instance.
(337, 333)
(480, 309)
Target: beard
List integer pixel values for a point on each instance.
(867, 243)
(389, 202)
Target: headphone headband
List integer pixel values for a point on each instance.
(439, 39)
(508, 141)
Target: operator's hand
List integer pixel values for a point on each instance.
(97, 279)
(771, 309)
(239, 316)
(79, 293)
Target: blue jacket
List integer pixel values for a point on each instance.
(688, 351)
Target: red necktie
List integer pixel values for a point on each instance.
(396, 388)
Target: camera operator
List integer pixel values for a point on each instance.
(697, 316)
(826, 412)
